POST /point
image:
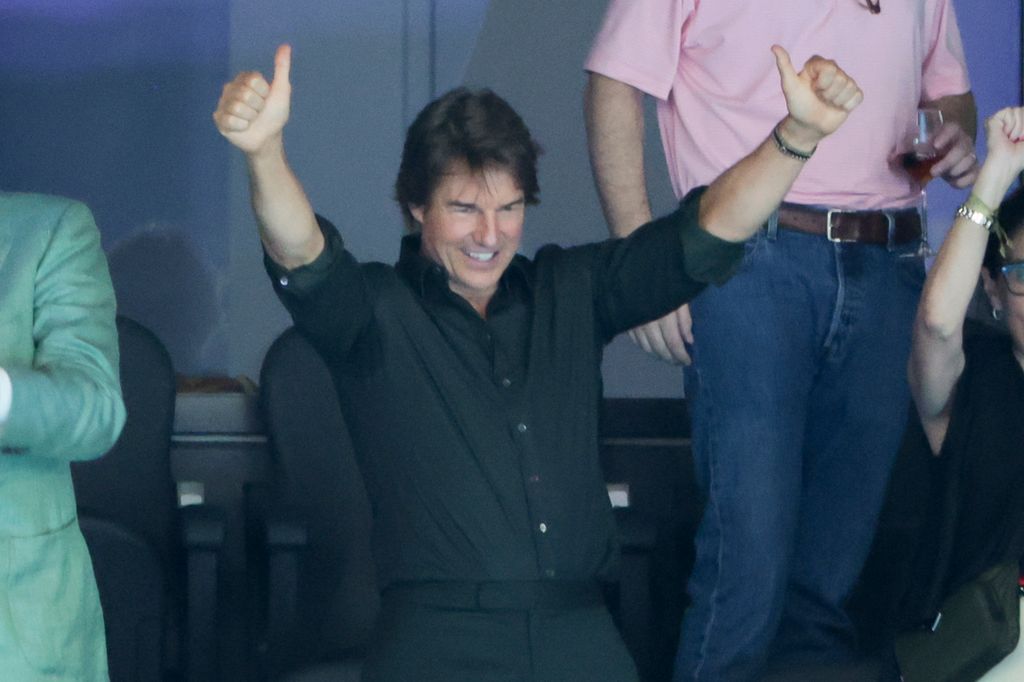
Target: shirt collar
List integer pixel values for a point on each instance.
(424, 275)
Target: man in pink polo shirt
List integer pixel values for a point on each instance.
(797, 384)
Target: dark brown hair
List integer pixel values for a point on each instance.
(475, 127)
(1011, 217)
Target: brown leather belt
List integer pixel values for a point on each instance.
(888, 228)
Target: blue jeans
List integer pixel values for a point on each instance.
(798, 398)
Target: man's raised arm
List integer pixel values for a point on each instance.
(252, 114)
(819, 98)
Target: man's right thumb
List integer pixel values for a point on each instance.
(282, 65)
(783, 63)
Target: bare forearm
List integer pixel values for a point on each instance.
(740, 200)
(959, 109)
(615, 132)
(937, 357)
(286, 221)
(954, 276)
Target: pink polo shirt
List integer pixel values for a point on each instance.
(709, 64)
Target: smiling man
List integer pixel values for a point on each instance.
(469, 375)
(475, 221)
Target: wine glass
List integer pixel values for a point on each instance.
(917, 154)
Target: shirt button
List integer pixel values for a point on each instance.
(506, 382)
(284, 280)
(543, 528)
(549, 572)
(521, 427)
(535, 478)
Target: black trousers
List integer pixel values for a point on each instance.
(441, 635)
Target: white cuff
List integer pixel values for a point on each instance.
(5, 396)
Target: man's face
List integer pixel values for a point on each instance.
(471, 227)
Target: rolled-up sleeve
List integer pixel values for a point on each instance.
(707, 259)
(306, 280)
(328, 298)
(659, 267)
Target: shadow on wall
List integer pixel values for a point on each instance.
(163, 282)
(108, 102)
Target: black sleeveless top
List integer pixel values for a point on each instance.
(947, 519)
(984, 449)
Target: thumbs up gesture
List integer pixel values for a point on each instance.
(252, 113)
(819, 97)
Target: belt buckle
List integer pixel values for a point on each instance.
(890, 227)
(828, 226)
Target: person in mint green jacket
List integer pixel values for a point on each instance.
(60, 400)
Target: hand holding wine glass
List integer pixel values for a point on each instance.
(937, 148)
(917, 153)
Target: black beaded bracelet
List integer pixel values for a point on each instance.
(789, 151)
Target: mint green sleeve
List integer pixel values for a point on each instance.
(67, 404)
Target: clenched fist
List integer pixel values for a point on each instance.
(252, 113)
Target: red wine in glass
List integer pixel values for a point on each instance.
(919, 154)
(918, 164)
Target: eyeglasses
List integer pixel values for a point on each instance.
(1013, 273)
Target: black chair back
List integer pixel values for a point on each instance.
(126, 503)
(132, 484)
(151, 560)
(315, 482)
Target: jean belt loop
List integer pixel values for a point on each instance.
(890, 243)
(771, 226)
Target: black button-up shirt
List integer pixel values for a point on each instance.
(478, 438)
